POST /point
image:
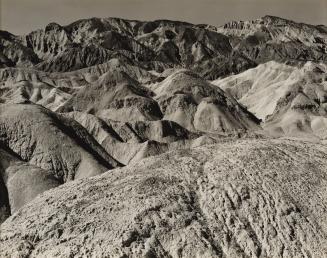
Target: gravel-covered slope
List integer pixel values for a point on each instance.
(247, 198)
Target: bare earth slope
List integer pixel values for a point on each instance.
(290, 100)
(52, 142)
(250, 198)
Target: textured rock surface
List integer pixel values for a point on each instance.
(117, 96)
(234, 199)
(40, 150)
(183, 97)
(14, 53)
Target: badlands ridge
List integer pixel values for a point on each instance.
(124, 138)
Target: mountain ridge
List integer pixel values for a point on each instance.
(137, 39)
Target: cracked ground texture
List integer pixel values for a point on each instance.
(246, 198)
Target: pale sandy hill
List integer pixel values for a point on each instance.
(291, 100)
(197, 105)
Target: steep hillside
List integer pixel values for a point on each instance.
(14, 53)
(117, 96)
(131, 141)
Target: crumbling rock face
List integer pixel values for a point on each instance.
(14, 53)
(249, 198)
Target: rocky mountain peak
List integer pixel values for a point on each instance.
(53, 27)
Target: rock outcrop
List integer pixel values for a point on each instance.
(273, 38)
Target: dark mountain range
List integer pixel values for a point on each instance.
(207, 50)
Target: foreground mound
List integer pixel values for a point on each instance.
(247, 198)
